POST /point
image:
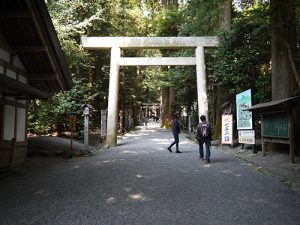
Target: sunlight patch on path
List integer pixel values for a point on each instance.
(110, 200)
(137, 197)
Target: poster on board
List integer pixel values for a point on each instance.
(227, 129)
(243, 116)
(247, 137)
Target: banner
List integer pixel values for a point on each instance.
(227, 129)
(243, 116)
(72, 122)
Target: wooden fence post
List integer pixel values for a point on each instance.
(12, 153)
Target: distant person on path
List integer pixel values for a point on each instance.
(145, 121)
(157, 118)
(176, 132)
(204, 133)
(130, 122)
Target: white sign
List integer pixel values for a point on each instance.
(247, 137)
(227, 129)
(86, 109)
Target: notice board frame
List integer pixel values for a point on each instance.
(291, 106)
(275, 124)
(279, 138)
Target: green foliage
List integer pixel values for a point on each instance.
(40, 120)
(201, 18)
(241, 61)
(76, 18)
(183, 78)
(167, 22)
(198, 20)
(246, 5)
(47, 116)
(127, 19)
(243, 56)
(90, 70)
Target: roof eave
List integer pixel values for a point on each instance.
(278, 104)
(55, 50)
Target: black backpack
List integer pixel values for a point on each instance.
(203, 131)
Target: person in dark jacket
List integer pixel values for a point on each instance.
(176, 132)
(204, 133)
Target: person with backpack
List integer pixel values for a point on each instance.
(204, 133)
(176, 132)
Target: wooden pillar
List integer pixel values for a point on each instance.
(263, 146)
(12, 153)
(291, 134)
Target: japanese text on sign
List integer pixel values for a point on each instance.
(72, 122)
(227, 133)
(247, 137)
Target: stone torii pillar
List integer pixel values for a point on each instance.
(118, 43)
(113, 96)
(201, 82)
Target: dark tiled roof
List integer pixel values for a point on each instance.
(278, 104)
(27, 29)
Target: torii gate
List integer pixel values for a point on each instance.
(118, 43)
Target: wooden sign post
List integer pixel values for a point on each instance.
(72, 125)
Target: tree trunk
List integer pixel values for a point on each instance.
(225, 16)
(172, 98)
(166, 3)
(222, 92)
(284, 49)
(175, 3)
(91, 80)
(222, 96)
(165, 107)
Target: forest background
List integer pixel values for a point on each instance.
(259, 49)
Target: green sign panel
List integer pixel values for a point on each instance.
(275, 125)
(243, 116)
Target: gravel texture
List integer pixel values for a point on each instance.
(139, 182)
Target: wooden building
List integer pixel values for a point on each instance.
(32, 65)
(280, 123)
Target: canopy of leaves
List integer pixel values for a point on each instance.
(241, 61)
(201, 18)
(198, 20)
(243, 56)
(90, 70)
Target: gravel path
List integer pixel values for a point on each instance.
(53, 146)
(140, 182)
